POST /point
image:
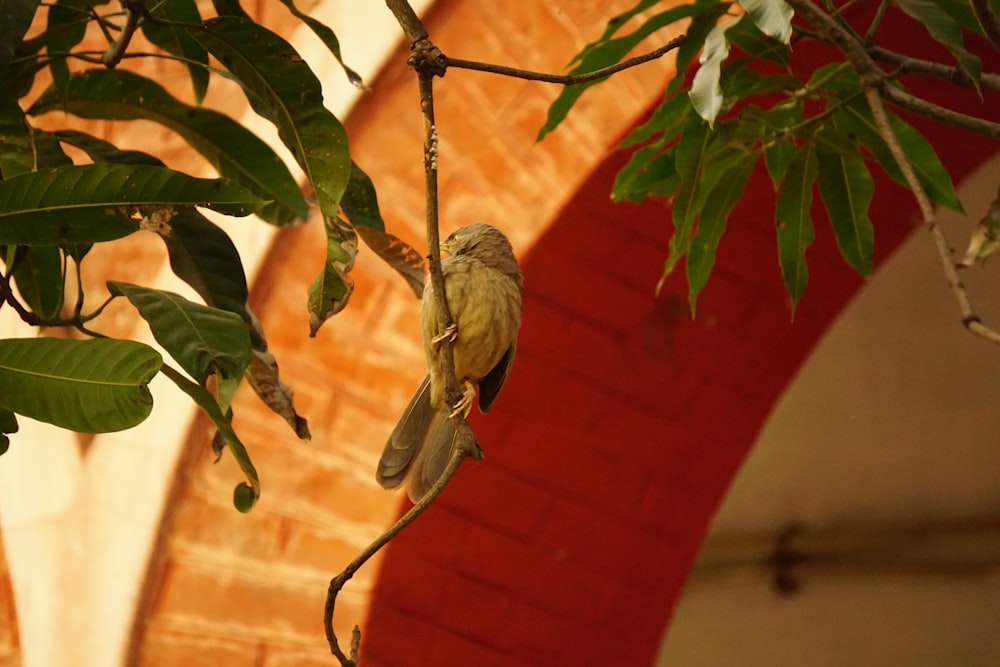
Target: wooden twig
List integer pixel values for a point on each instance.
(566, 79)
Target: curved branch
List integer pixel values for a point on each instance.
(458, 456)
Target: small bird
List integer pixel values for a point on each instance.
(483, 283)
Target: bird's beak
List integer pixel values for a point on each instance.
(445, 247)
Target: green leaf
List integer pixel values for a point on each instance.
(706, 93)
(229, 8)
(268, 67)
(946, 31)
(772, 17)
(202, 255)
(719, 203)
(667, 119)
(794, 222)
(234, 151)
(246, 493)
(87, 386)
(16, 153)
(203, 340)
(658, 177)
(609, 50)
(175, 39)
(778, 156)
(858, 121)
(67, 24)
(91, 203)
(49, 152)
(38, 273)
(332, 288)
(360, 202)
(690, 161)
(748, 38)
(846, 188)
(329, 38)
(15, 19)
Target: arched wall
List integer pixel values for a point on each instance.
(619, 430)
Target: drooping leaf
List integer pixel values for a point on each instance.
(175, 40)
(87, 386)
(102, 151)
(49, 152)
(204, 340)
(706, 93)
(778, 156)
(712, 220)
(772, 17)
(202, 255)
(263, 377)
(268, 67)
(609, 50)
(95, 202)
(794, 221)
(360, 205)
(234, 151)
(847, 188)
(15, 19)
(17, 155)
(38, 273)
(245, 494)
(945, 30)
(690, 160)
(329, 38)
(332, 288)
(703, 21)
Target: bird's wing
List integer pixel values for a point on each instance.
(491, 384)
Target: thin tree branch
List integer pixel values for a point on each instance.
(337, 583)
(566, 79)
(970, 320)
(133, 11)
(955, 75)
(987, 20)
(924, 108)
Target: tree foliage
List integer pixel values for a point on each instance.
(53, 211)
(748, 101)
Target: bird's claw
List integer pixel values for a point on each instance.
(464, 404)
(450, 334)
